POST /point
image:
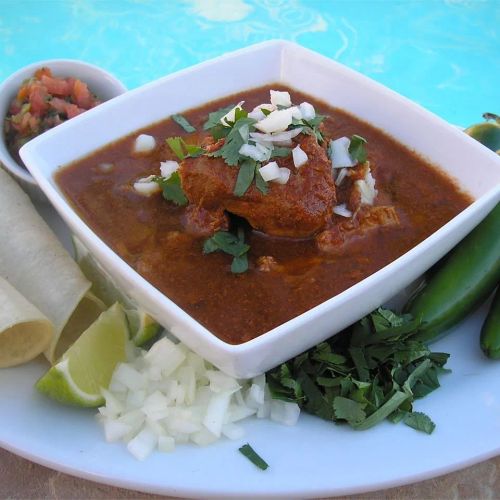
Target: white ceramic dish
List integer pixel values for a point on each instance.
(262, 64)
(102, 83)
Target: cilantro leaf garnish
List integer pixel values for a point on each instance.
(183, 150)
(281, 152)
(182, 121)
(260, 183)
(215, 117)
(372, 371)
(247, 451)
(357, 148)
(175, 144)
(245, 177)
(172, 189)
(312, 126)
(231, 244)
(230, 150)
(420, 422)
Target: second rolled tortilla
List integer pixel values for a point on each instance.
(24, 331)
(35, 263)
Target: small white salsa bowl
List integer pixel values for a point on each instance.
(100, 82)
(475, 169)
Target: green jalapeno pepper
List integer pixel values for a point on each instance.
(469, 273)
(464, 279)
(490, 332)
(488, 132)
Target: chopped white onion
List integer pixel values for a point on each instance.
(270, 172)
(279, 98)
(167, 168)
(276, 121)
(367, 189)
(342, 210)
(339, 153)
(146, 186)
(284, 175)
(343, 173)
(106, 167)
(299, 156)
(143, 444)
(284, 412)
(169, 395)
(231, 114)
(129, 377)
(232, 431)
(296, 113)
(286, 144)
(144, 143)
(254, 152)
(275, 138)
(257, 113)
(166, 444)
(115, 430)
(307, 110)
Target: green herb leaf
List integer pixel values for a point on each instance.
(183, 150)
(230, 150)
(247, 451)
(176, 145)
(172, 189)
(420, 422)
(312, 126)
(349, 410)
(180, 120)
(215, 117)
(245, 178)
(384, 411)
(240, 264)
(260, 183)
(279, 152)
(357, 148)
(193, 151)
(231, 244)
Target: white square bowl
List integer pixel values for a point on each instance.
(476, 170)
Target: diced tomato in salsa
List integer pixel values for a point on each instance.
(42, 102)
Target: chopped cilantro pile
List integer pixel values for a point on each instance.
(373, 371)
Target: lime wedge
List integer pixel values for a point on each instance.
(89, 363)
(142, 326)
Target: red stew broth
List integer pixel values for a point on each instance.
(147, 232)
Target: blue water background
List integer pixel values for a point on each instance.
(443, 54)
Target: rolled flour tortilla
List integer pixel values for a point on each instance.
(24, 331)
(35, 263)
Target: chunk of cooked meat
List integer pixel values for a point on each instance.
(298, 209)
(201, 222)
(335, 238)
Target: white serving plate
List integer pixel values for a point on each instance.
(314, 459)
(475, 168)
